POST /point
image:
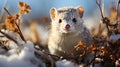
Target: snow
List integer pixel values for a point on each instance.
(26, 58)
(117, 62)
(22, 55)
(65, 63)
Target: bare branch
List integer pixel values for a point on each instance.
(20, 32)
(7, 11)
(117, 18)
(100, 9)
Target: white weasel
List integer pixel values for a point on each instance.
(67, 30)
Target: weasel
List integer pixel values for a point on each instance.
(67, 29)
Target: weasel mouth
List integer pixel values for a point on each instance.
(64, 30)
(67, 31)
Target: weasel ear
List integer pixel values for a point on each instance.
(52, 13)
(80, 11)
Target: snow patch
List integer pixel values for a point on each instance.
(65, 63)
(25, 58)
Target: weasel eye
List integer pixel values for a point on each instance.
(60, 20)
(74, 20)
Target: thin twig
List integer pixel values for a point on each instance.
(7, 11)
(20, 33)
(46, 58)
(100, 9)
(104, 19)
(117, 18)
(102, 3)
(99, 30)
(14, 40)
(2, 10)
(9, 37)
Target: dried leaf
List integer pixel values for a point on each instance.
(26, 12)
(24, 8)
(10, 23)
(21, 4)
(20, 12)
(28, 7)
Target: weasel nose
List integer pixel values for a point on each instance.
(67, 26)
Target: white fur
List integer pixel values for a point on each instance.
(62, 41)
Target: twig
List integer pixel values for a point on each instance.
(102, 6)
(9, 37)
(14, 40)
(20, 33)
(99, 29)
(117, 18)
(55, 57)
(2, 10)
(104, 19)
(100, 9)
(46, 58)
(7, 11)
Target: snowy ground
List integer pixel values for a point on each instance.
(27, 58)
(23, 55)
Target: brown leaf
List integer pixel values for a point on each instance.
(24, 8)
(26, 12)
(10, 23)
(21, 4)
(20, 12)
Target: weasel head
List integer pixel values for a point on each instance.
(67, 20)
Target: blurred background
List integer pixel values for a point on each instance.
(41, 8)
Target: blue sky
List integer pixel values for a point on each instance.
(42, 7)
